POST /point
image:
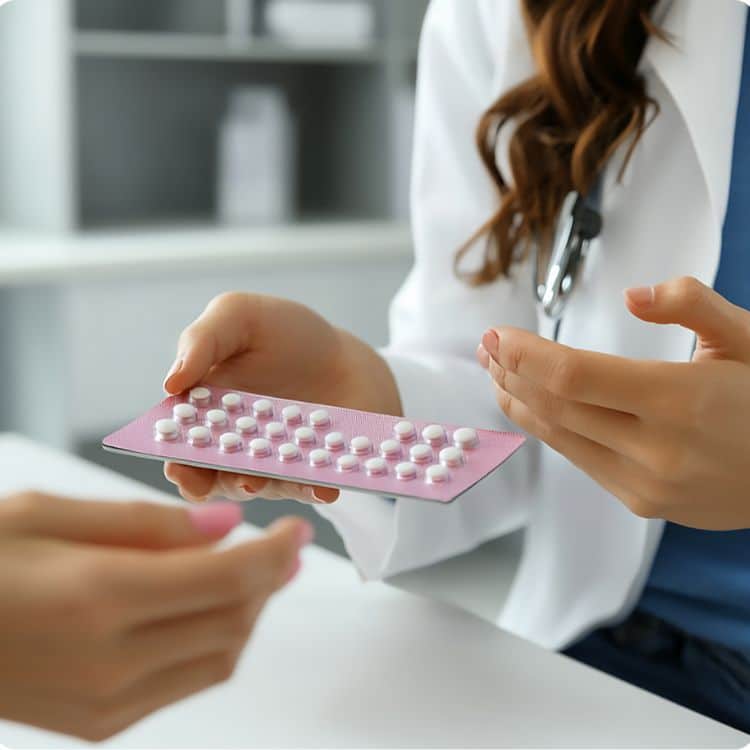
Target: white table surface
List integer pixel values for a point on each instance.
(335, 663)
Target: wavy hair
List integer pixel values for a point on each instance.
(585, 100)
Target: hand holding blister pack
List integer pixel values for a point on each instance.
(316, 444)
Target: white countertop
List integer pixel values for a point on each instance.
(335, 663)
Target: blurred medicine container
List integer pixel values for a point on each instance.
(256, 164)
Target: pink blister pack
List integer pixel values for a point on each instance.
(248, 433)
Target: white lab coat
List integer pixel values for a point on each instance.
(586, 556)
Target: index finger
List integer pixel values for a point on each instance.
(612, 382)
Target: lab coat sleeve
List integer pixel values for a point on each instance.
(437, 320)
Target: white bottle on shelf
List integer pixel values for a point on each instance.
(256, 158)
(239, 20)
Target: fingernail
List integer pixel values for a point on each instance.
(215, 519)
(640, 296)
(306, 534)
(295, 570)
(483, 356)
(326, 494)
(490, 341)
(173, 370)
(248, 490)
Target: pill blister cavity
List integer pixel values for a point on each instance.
(334, 441)
(451, 456)
(406, 470)
(376, 467)
(434, 434)
(166, 429)
(216, 417)
(360, 445)
(199, 436)
(288, 452)
(466, 437)
(436, 474)
(421, 453)
(304, 436)
(246, 426)
(319, 458)
(230, 442)
(291, 414)
(185, 413)
(263, 408)
(390, 449)
(260, 448)
(275, 431)
(404, 431)
(320, 418)
(200, 396)
(347, 463)
(231, 401)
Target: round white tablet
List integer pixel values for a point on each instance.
(406, 470)
(434, 434)
(390, 449)
(231, 401)
(465, 437)
(288, 452)
(320, 418)
(404, 431)
(167, 429)
(275, 431)
(347, 463)
(263, 408)
(216, 417)
(184, 413)
(199, 436)
(319, 458)
(436, 474)
(291, 414)
(230, 442)
(334, 441)
(200, 396)
(451, 456)
(421, 453)
(360, 445)
(246, 425)
(260, 447)
(376, 466)
(304, 435)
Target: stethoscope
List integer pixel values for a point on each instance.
(579, 222)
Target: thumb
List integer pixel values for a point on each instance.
(141, 524)
(723, 329)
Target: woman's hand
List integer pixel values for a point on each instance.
(671, 440)
(111, 611)
(277, 348)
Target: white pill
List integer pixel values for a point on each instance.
(436, 474)
(390, 449)
(434, 434)
(451, 456)
(320, 418)
(167, 429)
(199, 436)
(260, 447)
(465, 437)
(200, 396)
(347, 463)
(275, 431)
(319, 458)
(291, 414)
(334, 441)
(360, 445)
(263, 408)
(288, 452)
(406, 470)
(376, 466)
(246, 425)
(404, 431)
(185, 413)
(304, 435)
(216, 417)
(230, 442)
(231, 401)
(421, 453)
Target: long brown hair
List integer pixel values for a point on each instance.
(586, 99)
